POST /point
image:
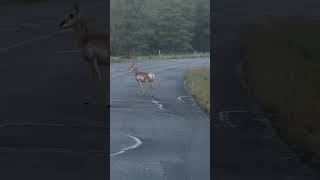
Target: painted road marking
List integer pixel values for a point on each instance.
(180, 98)
(145, 67)
(123, 100)
(157, 70)
(160, 106)
(165, 63)
(123, 150)
(119, 74)
(157, 103)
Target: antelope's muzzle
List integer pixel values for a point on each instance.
(61, 25)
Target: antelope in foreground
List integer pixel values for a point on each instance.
(94, 47)
(143, 77)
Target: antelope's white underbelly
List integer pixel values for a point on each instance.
(151, 76)
(142, 78)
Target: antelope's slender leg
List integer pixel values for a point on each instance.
(152, 88)
(96, 68)
(141, 87)
(148, 89)
(95, 72)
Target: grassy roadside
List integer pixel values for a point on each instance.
(283, 66)
(198, 83)
(164, 56)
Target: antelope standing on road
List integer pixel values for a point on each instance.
(94, 47)
(143, 77)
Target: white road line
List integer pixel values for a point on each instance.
(140, 101)
(180, 98)
(136, 145)
(169, 67)
(136, 109)
(119, 100)
(179, 64)
(160, 106)
(29, 41)
(145, 67)
(119, 74)
(156, 70)
(122, 100)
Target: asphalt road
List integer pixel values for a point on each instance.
(46, 132)
(164, 137)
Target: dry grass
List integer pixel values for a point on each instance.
(283, 65)
(198, 82)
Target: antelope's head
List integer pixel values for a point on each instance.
(72, 15)
(133, 68)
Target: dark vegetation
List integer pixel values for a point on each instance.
(143, 27)
(283, 65)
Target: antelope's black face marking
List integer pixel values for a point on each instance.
(133, 67)
(70, 18)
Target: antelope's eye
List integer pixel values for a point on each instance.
(71, 15)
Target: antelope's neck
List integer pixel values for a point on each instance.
(81, 30)
(136, 72)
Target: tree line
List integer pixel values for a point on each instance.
(145, 27)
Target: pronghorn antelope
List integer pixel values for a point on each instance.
(143, 77)
(94, 47)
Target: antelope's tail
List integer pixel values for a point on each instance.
(151, 76)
